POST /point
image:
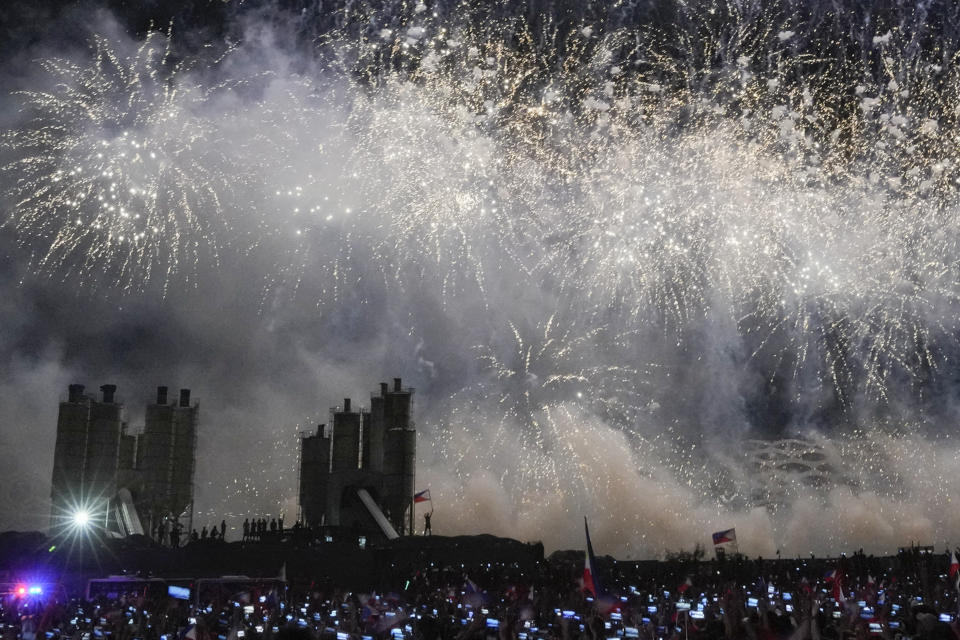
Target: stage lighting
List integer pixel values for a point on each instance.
(81, 518)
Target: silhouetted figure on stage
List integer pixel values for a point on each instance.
(223, 529)
(175, 535)
(194, 536)
(273, 525)
(246, 529)
(204, 533)
(280, 524)
(427, 531)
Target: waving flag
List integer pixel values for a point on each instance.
(835, 577)
(728, 535)
(591, 581)
(423, 496)
(955, 569)
(469, 586)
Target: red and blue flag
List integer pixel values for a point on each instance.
(954, 569)
(591, 581)
(727, 535)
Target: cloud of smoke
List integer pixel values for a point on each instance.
(598, 295)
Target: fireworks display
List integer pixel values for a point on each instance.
(640, 245)
(117, 176)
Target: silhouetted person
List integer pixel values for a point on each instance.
(246, 529)
(223, 528)
(427, 531)
(175, 535)
(194, 536)
(28, 628)
(213, 533)
(280, 524)
(203, 533)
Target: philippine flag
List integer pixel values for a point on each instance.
(591, 581)
(469, 586)
(835, 577)
(423, 496)
(728, 535)
(955, 569)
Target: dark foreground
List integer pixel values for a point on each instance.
(463, 587)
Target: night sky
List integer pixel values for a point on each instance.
(606, 243)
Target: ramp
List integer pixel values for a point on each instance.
(377, 514)
(127, 514)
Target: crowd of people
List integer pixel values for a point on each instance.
(170, 533)
(913, 598)
(257, 528)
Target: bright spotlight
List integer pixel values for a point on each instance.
(81, 518)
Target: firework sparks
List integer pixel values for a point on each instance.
(698, 192)
(119, 177)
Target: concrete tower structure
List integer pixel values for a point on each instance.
(87, 455)
(360, 477)
(123, 482)
(166, 459)
(314, 473)
(398, 461)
